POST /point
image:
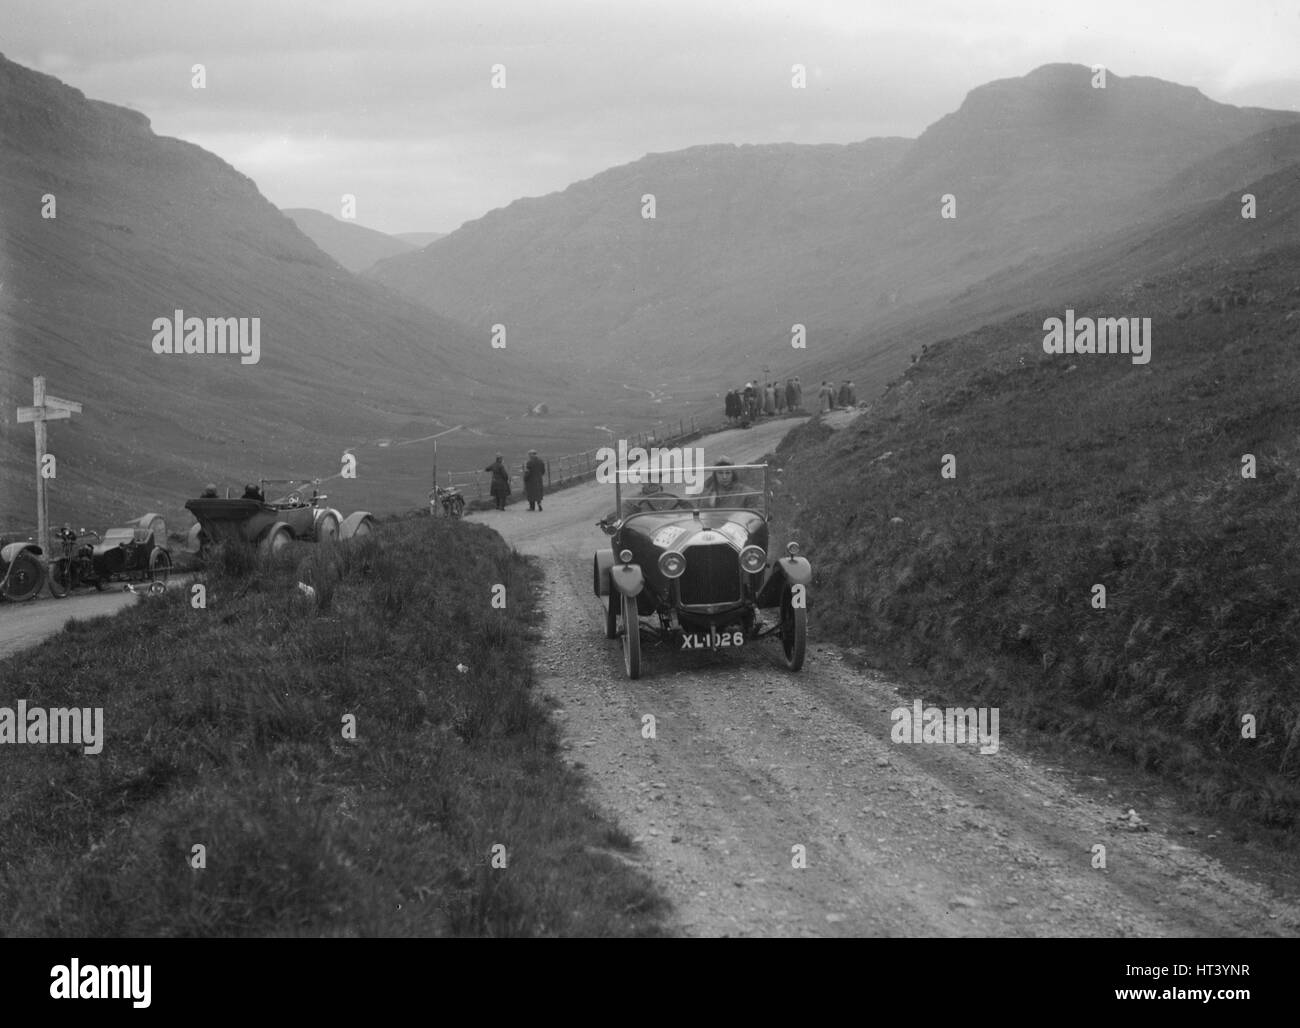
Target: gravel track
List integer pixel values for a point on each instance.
(750, 760)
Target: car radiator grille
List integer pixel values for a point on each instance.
(712, 575)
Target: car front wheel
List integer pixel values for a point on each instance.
(611, 613)
(794, 632)
(631, 637)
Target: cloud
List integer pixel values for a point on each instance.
(393, 97)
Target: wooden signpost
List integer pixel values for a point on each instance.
(44, 408)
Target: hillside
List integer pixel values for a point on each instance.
(354, 246)
(147, 225)
(419, 239)
(749, 240)
(1074, 471)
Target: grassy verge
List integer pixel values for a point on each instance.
(224, 728)
(1084, 470)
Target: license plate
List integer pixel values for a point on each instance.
(696, 641)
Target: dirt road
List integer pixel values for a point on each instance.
(751, 762)
(26, 624)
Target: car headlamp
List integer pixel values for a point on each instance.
(625, 556)
(753, 559)
(672, 564)
(792, 549)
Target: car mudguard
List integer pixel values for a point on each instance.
(627, 579)
(600, 565)
(348, 526)
(8, 553)
(786, 571)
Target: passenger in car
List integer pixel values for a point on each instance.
(724, 488)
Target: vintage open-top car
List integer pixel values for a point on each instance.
(271, 525)
(697, 565)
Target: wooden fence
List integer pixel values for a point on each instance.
(578, 467)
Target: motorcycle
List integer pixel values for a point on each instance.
(76, 567)
(451, 500)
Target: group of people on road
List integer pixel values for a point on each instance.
(829, 398)
(751, 402)
(768, 399)
(534, 481)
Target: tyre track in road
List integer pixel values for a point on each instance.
(750, 760)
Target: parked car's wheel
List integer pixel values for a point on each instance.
(276, 541)
(160, 565)
(327, 528)
(25, 578)
(61, 577)
(611, 614)
(794, 632)
(631, 637)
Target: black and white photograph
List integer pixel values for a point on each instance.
(773, 470)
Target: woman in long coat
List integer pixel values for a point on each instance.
(534, 475)
(500, 482)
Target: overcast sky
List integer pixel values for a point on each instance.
(391, 100)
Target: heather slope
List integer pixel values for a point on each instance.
(1079, 471)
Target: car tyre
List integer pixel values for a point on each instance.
(276, 541)
(631, 638)
(25, 578)
(611, 614)
(160, 565)
(327, 529)
(794, 632)
(61, 577)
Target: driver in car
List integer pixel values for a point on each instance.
(651, 497)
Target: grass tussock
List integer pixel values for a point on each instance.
(1083, 470)
(225, 729)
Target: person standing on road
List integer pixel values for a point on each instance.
(798, 393)
(500, 482)
(534, 472)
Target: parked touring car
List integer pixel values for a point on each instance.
(696, 567)
(272, 525)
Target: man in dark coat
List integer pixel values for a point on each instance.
(843, 399)
(500, 482)
(789, 394)
(798, 393)
(534, 475)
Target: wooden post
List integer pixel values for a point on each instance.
(44, 408)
